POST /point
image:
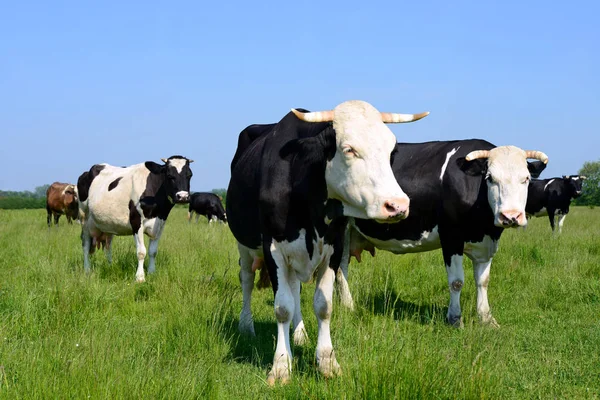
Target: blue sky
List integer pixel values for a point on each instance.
(125, 82)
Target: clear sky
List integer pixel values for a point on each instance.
(123, 82)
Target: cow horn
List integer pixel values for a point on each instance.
(583, 177)
(477, 154)
(395, 118)
(165, 160)
(538, 155)
(319, 116)
(190, 161)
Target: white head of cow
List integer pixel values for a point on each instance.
(360, 173)
(507, 177)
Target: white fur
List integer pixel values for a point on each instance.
(448, 156)
(507, 166)
(178, 163)
(549, 182)
(561, 220)
(363, 179)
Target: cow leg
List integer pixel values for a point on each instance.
(108, 248)
(190, 216)
(481, 254)
(246, 324)
(86, 242)
(56, 217)
(157, 229)
(210, 219)
(561, 220)
(284, 310)
(456, 278)
(323, 306)
(551, 217)
(481, 273)
(138, 237)
(300, 335)
(69, 220)
(49, 218)
(197, 217)
(342, 275)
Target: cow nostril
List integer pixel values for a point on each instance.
(391, 207)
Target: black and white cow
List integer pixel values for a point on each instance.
(463, 194)
(131, 201)
(207, 204)
(552, 197)
(292, 186)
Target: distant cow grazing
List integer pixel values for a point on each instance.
(463, 194)
(61, 198)
(552, 197)
(207, 204)
(292, 186)
(131, 201)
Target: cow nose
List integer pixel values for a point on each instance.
(511, 217)
(396, 208)
(182, 196)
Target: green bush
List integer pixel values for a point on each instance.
(17, 203)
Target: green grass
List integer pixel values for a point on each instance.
(67, 335)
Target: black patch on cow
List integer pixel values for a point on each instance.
(114, 183)
(85, 181)
(135, 219)
(335, 236)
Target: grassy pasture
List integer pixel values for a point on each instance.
(67, 335)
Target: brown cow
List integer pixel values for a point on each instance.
(61, 198)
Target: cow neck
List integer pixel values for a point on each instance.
(155, 200)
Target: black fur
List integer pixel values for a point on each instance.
(85, 181)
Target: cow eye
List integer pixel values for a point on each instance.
(349, 151)
(489, 179)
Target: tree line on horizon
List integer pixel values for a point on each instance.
(12, 200)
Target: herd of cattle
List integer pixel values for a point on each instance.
(316, 188)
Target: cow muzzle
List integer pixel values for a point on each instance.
(511, 218)
(394, 210)
(182, 197)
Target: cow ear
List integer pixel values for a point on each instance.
(473, 168)
(535, 168)
(154, 167)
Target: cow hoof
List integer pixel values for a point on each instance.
(140, 279)
(300, 335)
(328, 365)
(455, 321)
(246, 324)
(280, 372)
(491, 322)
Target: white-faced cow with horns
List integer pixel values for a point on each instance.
(133, 200)
(292, 186)
(463, 194)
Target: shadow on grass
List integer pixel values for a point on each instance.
(390, 303)
(259, 350)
